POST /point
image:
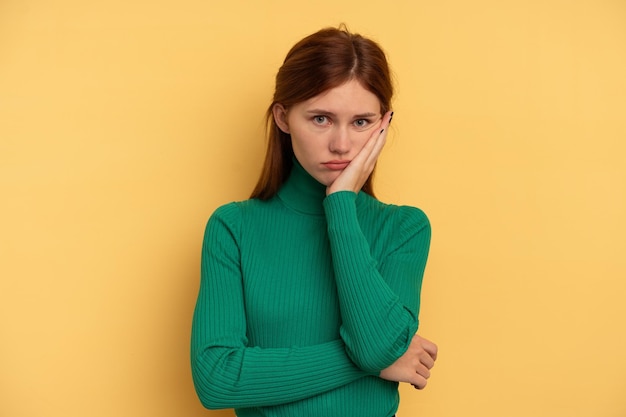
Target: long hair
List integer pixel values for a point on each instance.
(317, 63)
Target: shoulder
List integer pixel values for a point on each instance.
(408, 216)
(227, 213)
(235, 213)
(412, 217)
(392, 228)
(237, 208)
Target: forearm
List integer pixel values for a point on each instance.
(239, 377)
(379, 315)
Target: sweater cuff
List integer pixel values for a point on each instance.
(340, 208)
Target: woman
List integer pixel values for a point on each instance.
(310, 290)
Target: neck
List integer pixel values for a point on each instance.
(303, 193)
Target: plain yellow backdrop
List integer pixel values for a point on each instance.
(124, 124)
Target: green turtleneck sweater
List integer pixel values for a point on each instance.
(304, 299)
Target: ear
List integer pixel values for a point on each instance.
(280, 117)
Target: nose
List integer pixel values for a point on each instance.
(340, 141)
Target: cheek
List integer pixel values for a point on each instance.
(302, 148)
(306, 140)
(361, 140)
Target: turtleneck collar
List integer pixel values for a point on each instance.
(303, 193)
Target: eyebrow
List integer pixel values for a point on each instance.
(329, 113)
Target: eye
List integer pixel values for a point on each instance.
(361, 123)
(320, 120)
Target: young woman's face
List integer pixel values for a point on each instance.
(330, 129)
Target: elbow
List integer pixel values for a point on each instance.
(208, 399)
(208, 402)
(212, 394)
(371, 360)
(373, 354)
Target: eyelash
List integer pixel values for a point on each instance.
(317, 122)
(316, 119)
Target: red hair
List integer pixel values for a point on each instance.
(319, 62)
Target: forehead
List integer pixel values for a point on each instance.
(348, 98)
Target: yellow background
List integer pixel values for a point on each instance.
(124, 124)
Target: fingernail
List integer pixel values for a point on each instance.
(382, 130)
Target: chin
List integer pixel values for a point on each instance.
(327, 178)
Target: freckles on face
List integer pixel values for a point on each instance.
(328, 130)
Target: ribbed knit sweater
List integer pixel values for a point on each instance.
(304, 299)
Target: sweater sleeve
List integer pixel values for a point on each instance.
(379, 297)
(228, 373)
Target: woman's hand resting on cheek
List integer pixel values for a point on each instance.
(356, 173)
(414, 365)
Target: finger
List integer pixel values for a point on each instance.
(426, 360)
(373, 146)
(384, 126)
(419, 382)
(385, 121)
(363, 157)
(428, 346)
(422, 371)
(376, 149)
(381, 131)
(376, 143)
(431, 348)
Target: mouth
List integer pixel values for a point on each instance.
(336, 165)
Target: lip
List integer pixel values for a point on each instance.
(336, 165)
